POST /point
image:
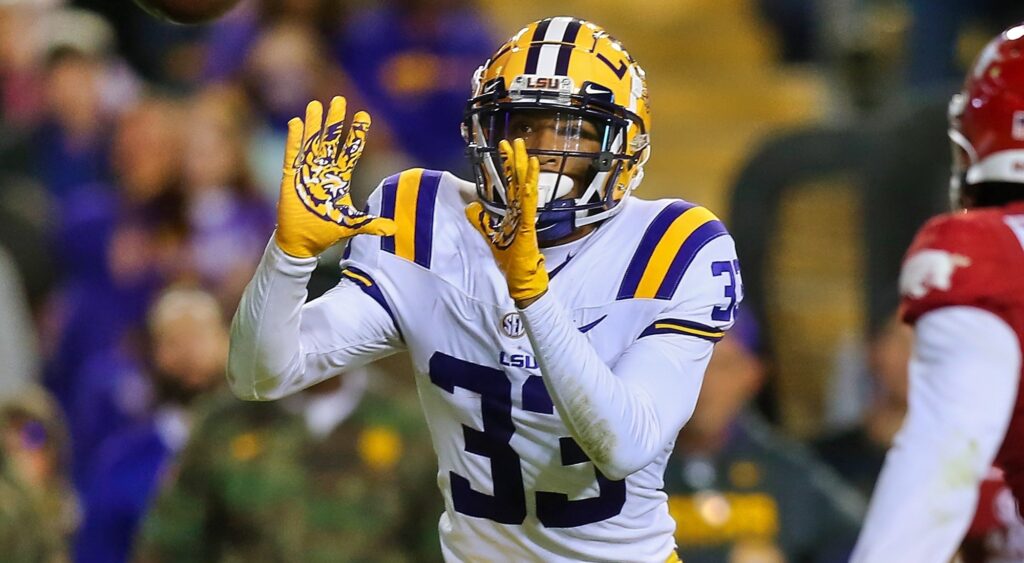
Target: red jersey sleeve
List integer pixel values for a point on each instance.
(971, 259)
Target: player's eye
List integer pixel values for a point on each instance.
(589, 132)
(522, 128)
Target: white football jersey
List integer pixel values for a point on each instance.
(516, 486)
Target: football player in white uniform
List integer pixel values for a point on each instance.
(962, 289)
(559, 329)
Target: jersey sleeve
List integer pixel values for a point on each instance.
(928, 487)
(964, 259)
(702, 283)
(280, 345)
(624, 415)
(410, 199)
(360, 264)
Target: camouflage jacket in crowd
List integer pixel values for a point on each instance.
(27, 532)
(254, 485)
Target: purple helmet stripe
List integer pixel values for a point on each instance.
(533, 55)
(565, 51)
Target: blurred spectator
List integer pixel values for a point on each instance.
(113, 382)
(30, 30)
(25, 39)
(857, 453)
(287, 67)
(738, 490)
(22, 534)
(232, 37)
(228, 221)
(103, 227)
(38, 510)
(278, 50)
(71, 144)
(162, 52)
(188, 337)
(341, 472)
(410, 60)
(20, 48)
(118, 245)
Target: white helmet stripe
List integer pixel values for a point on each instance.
(556, 29)
(1003, 166)
(548, 60)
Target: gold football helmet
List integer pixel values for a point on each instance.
(581, 84)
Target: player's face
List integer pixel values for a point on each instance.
(548, 132)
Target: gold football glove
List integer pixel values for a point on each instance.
(513, 239)
(315, 207)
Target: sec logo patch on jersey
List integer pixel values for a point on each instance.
(930, 269)
(512, 325)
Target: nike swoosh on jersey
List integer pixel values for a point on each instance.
(585, 328)
(559, 267)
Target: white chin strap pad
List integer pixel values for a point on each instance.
(552, 182)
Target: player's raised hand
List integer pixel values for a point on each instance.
(315, 207)
(513, 238)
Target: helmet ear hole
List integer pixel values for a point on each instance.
(644, 156)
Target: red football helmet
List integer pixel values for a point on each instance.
(986, 119)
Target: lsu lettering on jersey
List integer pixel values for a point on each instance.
(974, 259)
(516, 486)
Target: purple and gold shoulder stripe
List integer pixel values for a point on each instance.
(366, 283)
(409, 198)
(668, 246)
(685, 327)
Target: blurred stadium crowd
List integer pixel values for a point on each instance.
(139, 164)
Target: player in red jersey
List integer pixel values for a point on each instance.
(962, 289)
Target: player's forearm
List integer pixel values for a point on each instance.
(265, 353)
(923, 501)
(964, 378)
(621, 425)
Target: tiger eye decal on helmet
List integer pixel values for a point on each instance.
(579, 80)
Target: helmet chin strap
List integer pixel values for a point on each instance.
(556, 223)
